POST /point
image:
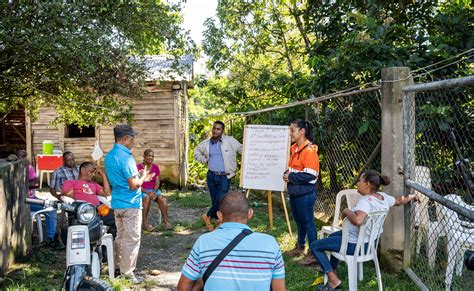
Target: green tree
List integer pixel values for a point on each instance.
(278, 51)
(80, 57)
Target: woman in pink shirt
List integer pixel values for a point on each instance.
(152, 190)
(84, 188)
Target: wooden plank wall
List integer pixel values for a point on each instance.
(160, 118)
(13, 132)
(81, 148)
(41, 130)
(155, 118)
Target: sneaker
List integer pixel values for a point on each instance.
(207, 221)
(135, 279)
(296, 251)
(48, 242)
(308, 259)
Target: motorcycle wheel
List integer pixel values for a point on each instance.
(91, 283)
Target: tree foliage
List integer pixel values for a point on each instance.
(80, 57)
(282, 50)
(266, 53)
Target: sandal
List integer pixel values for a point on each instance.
(148, 227)
(207, 222)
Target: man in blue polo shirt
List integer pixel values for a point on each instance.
(255, 263)
(125, 180)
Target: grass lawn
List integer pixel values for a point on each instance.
(43, 270)
(297, 277)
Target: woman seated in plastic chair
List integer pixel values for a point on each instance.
(372, 200)
(152, 192)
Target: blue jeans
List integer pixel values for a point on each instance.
(51, 220)
(331, 243)
(218, 187)
(302, 209)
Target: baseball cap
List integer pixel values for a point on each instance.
(124, 130)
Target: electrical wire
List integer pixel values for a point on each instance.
(54, 95)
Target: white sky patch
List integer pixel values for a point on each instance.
(195, 12)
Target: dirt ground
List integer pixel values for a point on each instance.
(162, 253)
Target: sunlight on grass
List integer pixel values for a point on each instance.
(34, 273)
(119, 283)
(190, 199)
(301, 278)
(38, 274)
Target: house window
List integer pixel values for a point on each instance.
(74, 131)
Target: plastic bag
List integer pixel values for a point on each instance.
(97, 153)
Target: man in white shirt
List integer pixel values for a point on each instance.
(219, 153)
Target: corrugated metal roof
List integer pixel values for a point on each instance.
(165, 68)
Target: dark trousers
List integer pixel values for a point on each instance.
(218, 187)
(331, 243)
(302, 209)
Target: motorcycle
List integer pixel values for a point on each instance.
(83, 245)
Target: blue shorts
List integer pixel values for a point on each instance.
(158, 192)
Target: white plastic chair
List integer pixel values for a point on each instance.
(373, 225)
(460, 236)
(107, 240)
(352, 197)
(429, 231)
(48, 176)
(105, 200)
(36, 216)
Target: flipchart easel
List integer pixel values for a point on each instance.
(268, 192)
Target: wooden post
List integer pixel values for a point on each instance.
(247, 193)
(29, 141)
(393, 237)
(286, 213)
(270, 208)
(61, 136)
(243, 163)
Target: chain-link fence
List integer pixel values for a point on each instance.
(347, 131)
(438, 119)
(438, 136)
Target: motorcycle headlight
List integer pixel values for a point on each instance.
(85, 213)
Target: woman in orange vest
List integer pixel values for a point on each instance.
(301, 176)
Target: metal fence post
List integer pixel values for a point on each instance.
(393, 237)
(409, 164)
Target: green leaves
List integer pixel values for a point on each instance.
(80, 58)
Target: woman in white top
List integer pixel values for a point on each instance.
(372, 200)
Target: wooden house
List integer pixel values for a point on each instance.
(12, 131)
(160, 117)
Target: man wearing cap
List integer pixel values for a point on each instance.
(125, 180)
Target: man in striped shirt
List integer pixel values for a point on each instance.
(255, 263)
